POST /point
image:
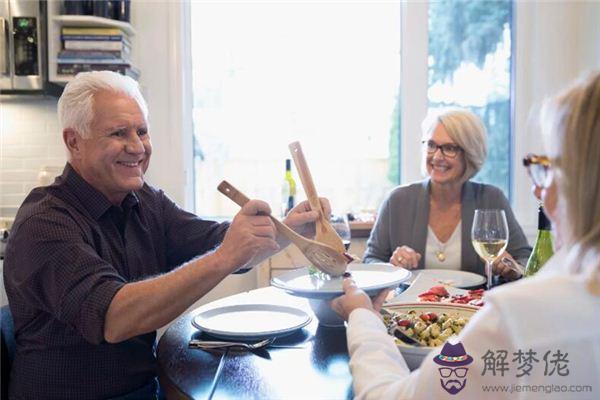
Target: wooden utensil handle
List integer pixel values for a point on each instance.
(305, 176)
(230, 191)
(241, 199)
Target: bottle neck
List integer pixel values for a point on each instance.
(544, 223)
(543, 234)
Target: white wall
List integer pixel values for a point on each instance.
(158, 46)
(556, 42)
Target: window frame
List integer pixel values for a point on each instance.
(413, 81)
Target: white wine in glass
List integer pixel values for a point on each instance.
(489, 250)
(489, 236)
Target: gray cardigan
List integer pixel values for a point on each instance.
(404, 216)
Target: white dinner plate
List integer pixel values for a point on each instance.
(459, 279)
(421, 284)
(369, 277)
(251, 321)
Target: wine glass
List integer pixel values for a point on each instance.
(489, 236)
(342, 227)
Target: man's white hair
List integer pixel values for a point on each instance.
(76, 105)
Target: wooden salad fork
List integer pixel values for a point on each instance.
(325, 233)
(322, 256)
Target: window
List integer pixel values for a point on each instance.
(470, 67)
(328, 74)
(266, 74)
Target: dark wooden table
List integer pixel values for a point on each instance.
(312, 363)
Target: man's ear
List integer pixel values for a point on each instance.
(72, 140)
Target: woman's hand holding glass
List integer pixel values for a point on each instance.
(489, 235)
(500, 267)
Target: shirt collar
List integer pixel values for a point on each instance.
(93, 200)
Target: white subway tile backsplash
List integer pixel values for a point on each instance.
(18, 176)
(56, 151)
(11, 139)
(28, 187)
(10, 187)
(29, 139)
(24, 126)
(36, 151)
(43, 137)
(53, 128)
(12, 199)
(34, 163)
(11, 163)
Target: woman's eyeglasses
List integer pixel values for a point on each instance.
(448, 150)
(539, 168)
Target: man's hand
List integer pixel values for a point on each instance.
(301, 218)
(250, 237)
(405, 257)
(354, 298)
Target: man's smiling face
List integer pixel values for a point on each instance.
(115, 155)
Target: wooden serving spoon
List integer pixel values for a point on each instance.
(322, 256)
(325, 233)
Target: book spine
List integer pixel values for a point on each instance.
(116, 38)
(93, 54)
(73, 69)
(91, 31)
(92, 61)
(95, 45)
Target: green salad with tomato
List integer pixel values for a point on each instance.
(429, 329)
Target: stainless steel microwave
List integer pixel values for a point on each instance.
(22, 62)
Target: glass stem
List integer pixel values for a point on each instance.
(488, 273)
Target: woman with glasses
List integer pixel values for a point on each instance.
(428, 224)
(532, 338)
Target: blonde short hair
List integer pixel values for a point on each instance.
(571, 124)
(76, 105)
(466, 129)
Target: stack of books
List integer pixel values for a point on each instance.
(94, 49)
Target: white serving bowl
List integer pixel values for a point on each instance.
(414, 355)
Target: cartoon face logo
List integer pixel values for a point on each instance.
(453, 359)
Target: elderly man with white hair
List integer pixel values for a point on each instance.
(99, 260)
(428, 224)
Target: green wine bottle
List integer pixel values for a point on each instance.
(542, 249)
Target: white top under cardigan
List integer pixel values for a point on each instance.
(549, 312)
(451, 250)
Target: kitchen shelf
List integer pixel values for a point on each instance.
(56, 21)
(95, 22)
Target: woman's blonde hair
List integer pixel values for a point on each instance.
(571, 122)
(466, 130)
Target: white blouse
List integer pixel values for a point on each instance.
(549, 313)
(451, 250)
